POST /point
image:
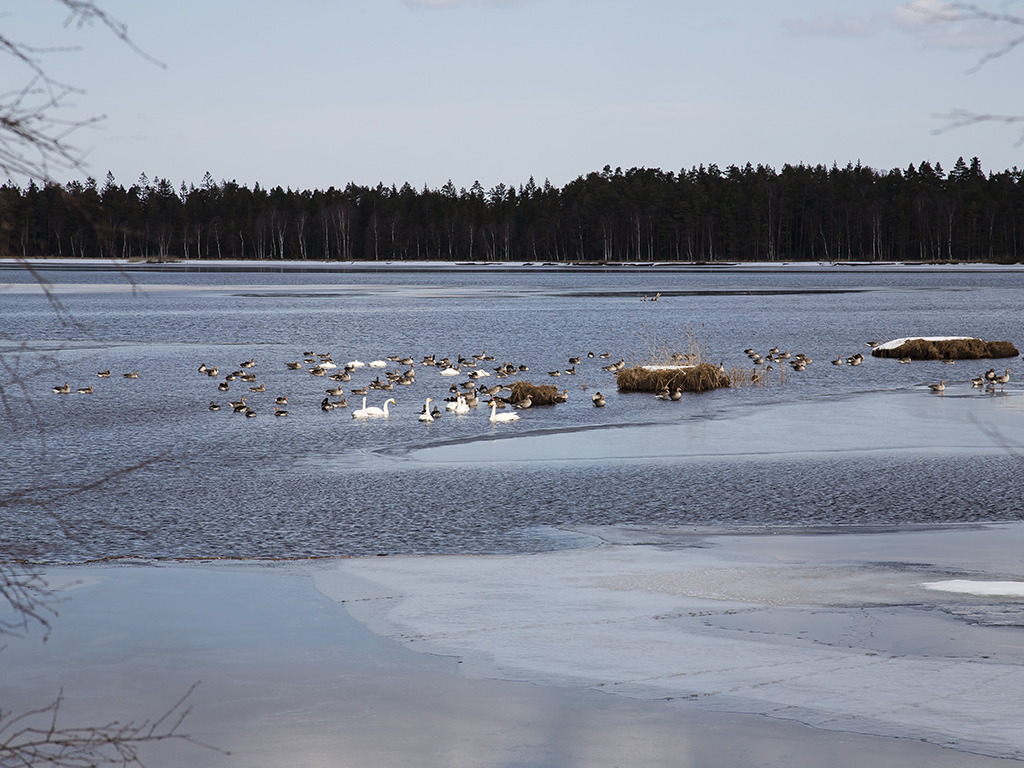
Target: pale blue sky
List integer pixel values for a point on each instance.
(313, 93)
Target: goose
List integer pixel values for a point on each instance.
(279, 412)
(132, 375)
(248, 377)
(677, 394)
(838, 360)
(237, 404)
(214, 406)
(243, 408)
(104, 374)
(949, 361)
(554, 373)
(62, 389)
(250, 363)
(1003, 379)
(295, 365)
(979, 381)
(605, 355)
(223, 386)
(360, 391)
(406, 361)
(562, 397)
(590, 354)
(343, 403)
(373, 410)
(574, 360)
(260, 388)
(906, 361)
(495, 416)
(598, 399)
(425, 413)
(281, 400)
(990, 374)
(212, 372)
(318, 370)
(570, 371)
(855, 360)
(333, 392)
(525, 403)
(940, 387)
(326, 405)
(202, 368)
(435, 412)
(250, 413)
(85, 390)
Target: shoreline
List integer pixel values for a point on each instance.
(321, 266)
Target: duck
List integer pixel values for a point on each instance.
(62, 389)
(365, 412)
(495, 416)
(425, 414)
(940, 387)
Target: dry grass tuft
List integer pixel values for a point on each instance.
(697, 378)
(950, 349)
(545, 394)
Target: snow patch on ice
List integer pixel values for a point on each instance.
(900, 342)
(965, 586)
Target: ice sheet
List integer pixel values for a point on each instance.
(839, 641)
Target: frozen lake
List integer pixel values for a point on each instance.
(812, 552)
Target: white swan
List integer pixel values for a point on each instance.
(495, 416)
(378, 364)
(359, 413)
(374, 411)
(425, 415)
(461, 406)
(450, 372)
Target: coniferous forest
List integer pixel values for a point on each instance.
(704, 214)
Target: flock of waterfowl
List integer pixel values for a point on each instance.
(462, 398)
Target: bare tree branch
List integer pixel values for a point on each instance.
(35, 738)
(33, 138)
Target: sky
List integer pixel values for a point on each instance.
(318, 93)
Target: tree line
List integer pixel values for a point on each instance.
(748, 213)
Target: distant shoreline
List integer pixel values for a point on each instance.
(237, 265)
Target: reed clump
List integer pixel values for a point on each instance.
(543, 394)
(949, 349)
(696, 378)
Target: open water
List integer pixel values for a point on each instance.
(143, 468)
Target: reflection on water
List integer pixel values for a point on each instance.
(832, 445)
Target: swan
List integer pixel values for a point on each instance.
(378, 364)
(425, 415)
(461, 406)
(450, 372)
(373, 410)
(359, 413)
(495, 416)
